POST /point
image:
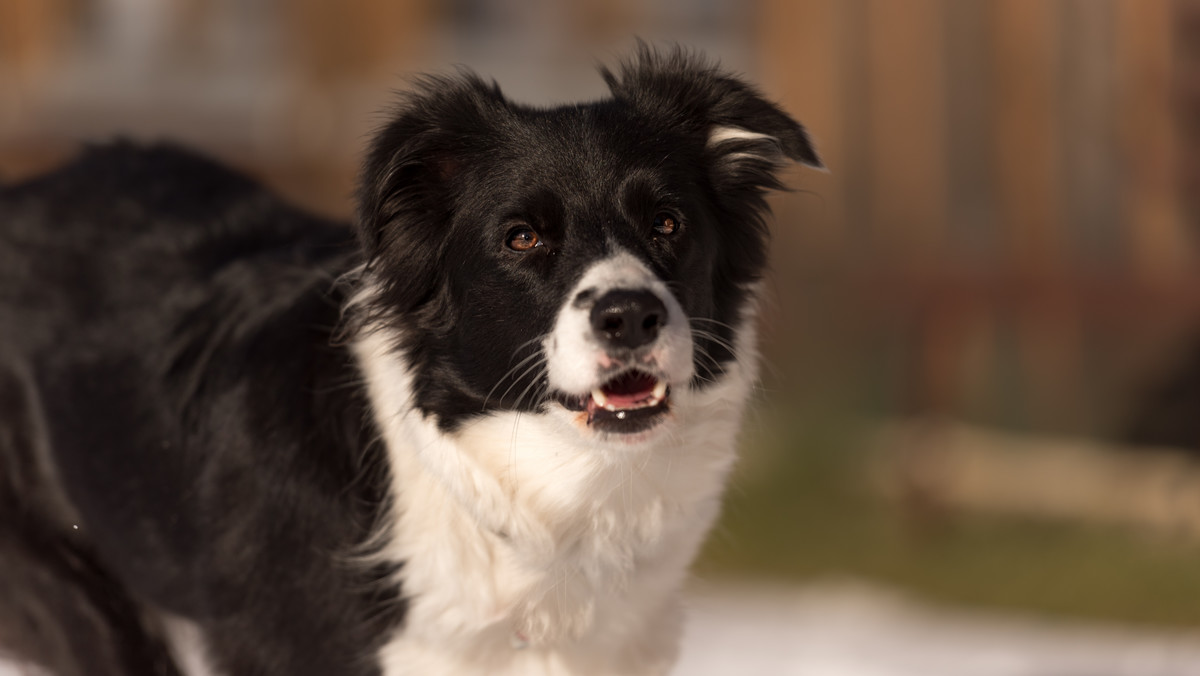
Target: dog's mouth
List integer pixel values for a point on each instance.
(628, 403)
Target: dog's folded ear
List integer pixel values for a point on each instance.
(750, 137)
(406, 189)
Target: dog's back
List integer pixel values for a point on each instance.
(59, 236)
(102, 264)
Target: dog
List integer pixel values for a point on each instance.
(484, 431)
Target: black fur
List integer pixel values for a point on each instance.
(183, 429)
(170, 322)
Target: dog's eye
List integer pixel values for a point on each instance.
(665, 223)
(523, 239)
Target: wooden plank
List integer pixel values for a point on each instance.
(1148, 140)
(1088, 130)
(332, 42)
(800, 52)
(905, 42)
(970, 99)
(30, 35)
(1185, 83)
(952, 467)
(1028, 174)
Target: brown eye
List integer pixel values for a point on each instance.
(665, 224)
(523, 239)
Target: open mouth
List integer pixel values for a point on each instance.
(631, 402)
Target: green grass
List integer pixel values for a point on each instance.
(800, 510)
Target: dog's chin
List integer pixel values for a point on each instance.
(629, 407)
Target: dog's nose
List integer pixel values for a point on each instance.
(628, 318)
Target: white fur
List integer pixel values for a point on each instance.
(769, 151)
(533, 546)
(719, 135)
(573, 355)
(185, 640)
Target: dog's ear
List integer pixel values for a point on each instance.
(407, 186)
(749, 137)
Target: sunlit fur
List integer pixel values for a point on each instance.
(518, 528)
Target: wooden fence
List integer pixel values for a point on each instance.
(1006, 175)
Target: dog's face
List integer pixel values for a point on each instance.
(586, 260)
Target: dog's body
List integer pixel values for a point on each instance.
(493, 447)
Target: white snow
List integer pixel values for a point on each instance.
(853, 630)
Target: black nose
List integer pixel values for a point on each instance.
(628, 318)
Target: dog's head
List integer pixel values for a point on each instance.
(586, 260)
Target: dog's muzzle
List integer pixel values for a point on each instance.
(619, 346)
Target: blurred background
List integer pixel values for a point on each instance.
(984, 324)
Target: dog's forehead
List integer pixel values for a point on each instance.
(595, 151)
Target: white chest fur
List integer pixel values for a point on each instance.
(529, 549)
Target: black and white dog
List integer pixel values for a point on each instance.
(488, 439)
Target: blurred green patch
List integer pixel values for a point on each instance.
(800, 509)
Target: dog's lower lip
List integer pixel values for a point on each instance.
(628, 403)
(629, 391)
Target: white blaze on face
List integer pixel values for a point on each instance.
(577, 360)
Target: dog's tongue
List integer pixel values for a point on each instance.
(629, 390)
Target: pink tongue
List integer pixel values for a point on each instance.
(629, 389)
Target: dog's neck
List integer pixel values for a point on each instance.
(551, 536)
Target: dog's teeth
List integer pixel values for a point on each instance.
(600, 398)
(660, 391)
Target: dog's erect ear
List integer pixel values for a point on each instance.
(405, 194)
(749, 136)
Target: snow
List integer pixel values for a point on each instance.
(852, 630)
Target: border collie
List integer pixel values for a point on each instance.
(486, 439)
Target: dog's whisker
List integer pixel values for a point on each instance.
(710, 366)
(714, 345)
(532, 381)
(714, 322)
(512, 370)
(520, 399)
(715, 339)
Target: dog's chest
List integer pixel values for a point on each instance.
(546, 561)
(527, 551)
